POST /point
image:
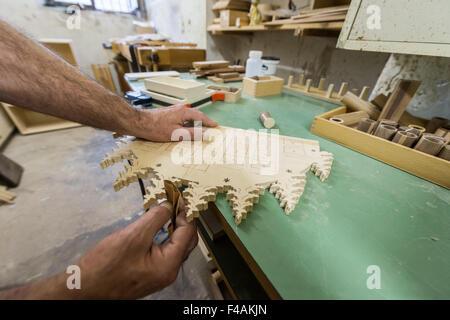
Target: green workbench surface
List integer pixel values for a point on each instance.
(366, 213)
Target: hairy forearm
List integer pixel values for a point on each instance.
(34, 78)
(51, 288)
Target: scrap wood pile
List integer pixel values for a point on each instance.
(327, 14)
(218, 71)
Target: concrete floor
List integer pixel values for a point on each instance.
(66, 203)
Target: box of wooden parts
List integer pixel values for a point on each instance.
(339, 126)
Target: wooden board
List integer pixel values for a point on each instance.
(210, 166)
(103, 76)
(29, 122)
(399, 100)
(210, 64)
(145, 75)
(325, 18)
(63, 48)
(222, 80)
(423, 165)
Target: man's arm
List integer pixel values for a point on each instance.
(32, 77)
(124, 265)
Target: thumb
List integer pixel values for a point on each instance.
(197, 115)
(152, 222)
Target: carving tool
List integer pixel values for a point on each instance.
(173, 196)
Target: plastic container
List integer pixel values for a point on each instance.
(254, 64)
(269, 66)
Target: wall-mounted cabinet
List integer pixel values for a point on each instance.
(400, 26)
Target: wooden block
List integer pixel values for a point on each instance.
(353, 102)
(175, 87)
(210, 64)
(399, 99)
(10, 172)
(228, 17)
(352, 118)
(262, 86)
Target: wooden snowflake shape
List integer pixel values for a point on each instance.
(242, 163)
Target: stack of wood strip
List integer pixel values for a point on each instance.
(218, 71)
(6, 196)
(327, 14)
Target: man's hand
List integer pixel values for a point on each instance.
(159, 124)
(127, 265)
(124, 265)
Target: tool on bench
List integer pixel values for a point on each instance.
(137, 98)
(216, 96)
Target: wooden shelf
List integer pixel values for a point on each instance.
(327, 26)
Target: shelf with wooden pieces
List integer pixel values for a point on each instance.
(243, 183)
(329, 94)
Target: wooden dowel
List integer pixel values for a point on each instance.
(330, 91)
(343, 89)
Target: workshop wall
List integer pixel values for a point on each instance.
(96, 27)
(433, 97)
(316, 56)
(182, 21)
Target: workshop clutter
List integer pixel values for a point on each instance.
(218, 71)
